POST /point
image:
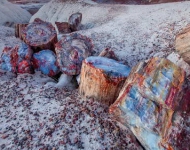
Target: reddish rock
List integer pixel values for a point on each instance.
(17, 59)
(40, 35)
(71, 51)
(63, 27)
(74, 21)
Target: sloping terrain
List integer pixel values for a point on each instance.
(134, 32)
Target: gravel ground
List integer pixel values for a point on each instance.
(35, 115)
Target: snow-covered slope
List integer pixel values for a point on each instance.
(134, 32)
(10, 14)
(7, 38)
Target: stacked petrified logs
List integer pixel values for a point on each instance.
(149, 98)
(40, 38)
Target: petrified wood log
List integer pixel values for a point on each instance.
(75, 21)
(40, 35)
(182, 44)
(17, 59)
(18, 30)
(63, 27)
(102, 78)
(148, 99)
(71, 51)
(45, 61)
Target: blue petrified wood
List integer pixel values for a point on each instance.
(17, 59)
(45, 61)
(148, 100)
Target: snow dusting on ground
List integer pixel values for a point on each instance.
(37, 113)
(133, 32)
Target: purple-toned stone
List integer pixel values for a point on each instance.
(75, 21)
(14, 59)
(71, 51)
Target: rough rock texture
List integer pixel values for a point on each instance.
(11, 14)
(18, 30)
(75, 21)
(45, 61)
(102, 79)
(182, 44)
(17, 59)
(40, 35)
(35, 115)
(134, 33)
(148, 99)
(71, 50)
(63, 27)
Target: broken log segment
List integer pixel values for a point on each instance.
(45, 61)
(18, 30)
(102, 78)
(40, 35)
(182, 44)
(71, 51)
(75, 21)
(148, 99)
(17, 59)
(107, 52)
(63, 27)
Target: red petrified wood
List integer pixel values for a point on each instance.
(63, 27)
(40, 35)
(102, 78)
(18, 30)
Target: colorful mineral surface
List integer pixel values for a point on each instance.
(45, 61)
(17, 59)
(110, 67)
(71, 51)
(148, 100)
(40, 35)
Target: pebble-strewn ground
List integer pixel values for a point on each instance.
(34, 115)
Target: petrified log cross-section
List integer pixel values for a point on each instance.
(40, 35)
(102, 79)
(182, 44)
(71, 51)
